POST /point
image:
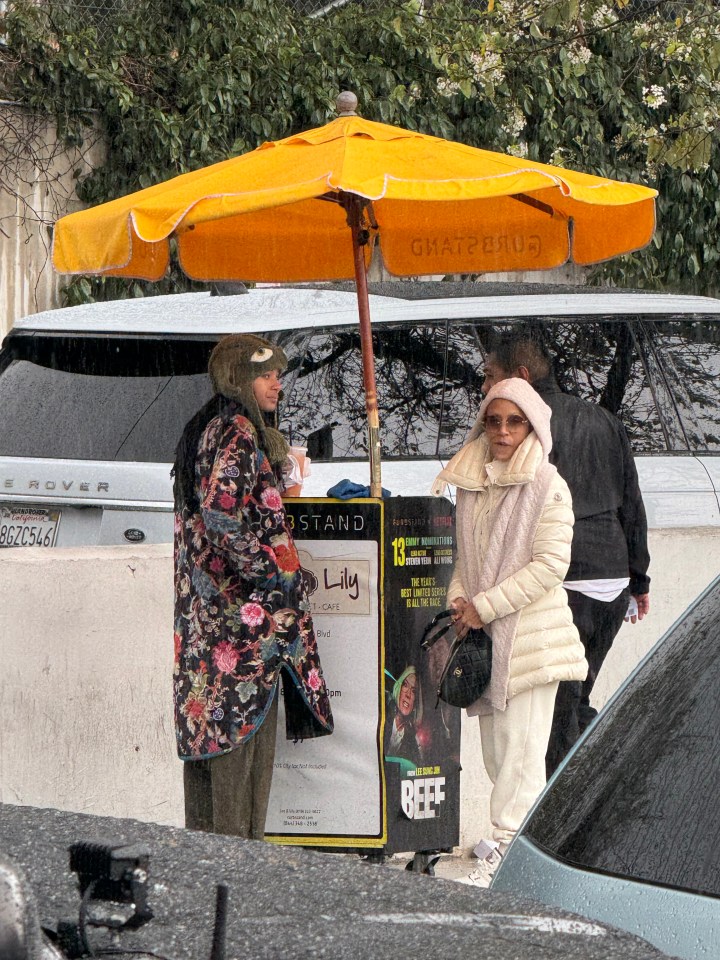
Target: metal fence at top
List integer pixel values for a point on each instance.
(318, 8)
(101, 11)
(103, 14)
(629, 10)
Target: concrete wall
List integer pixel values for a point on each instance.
(86, 654)
(86, 648)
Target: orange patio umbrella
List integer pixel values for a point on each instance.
(315, 206)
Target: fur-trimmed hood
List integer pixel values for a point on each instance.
(519, 392)
(466, 470)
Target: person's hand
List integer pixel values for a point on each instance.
(457, 606)
(466, 618)
(639, 607)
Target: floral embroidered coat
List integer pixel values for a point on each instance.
(240, 604)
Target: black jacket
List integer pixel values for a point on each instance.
(592, 453)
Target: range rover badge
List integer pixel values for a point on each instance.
(133, 535)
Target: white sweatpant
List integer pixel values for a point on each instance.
(514, 744)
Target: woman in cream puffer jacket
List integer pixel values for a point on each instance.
(514, 530)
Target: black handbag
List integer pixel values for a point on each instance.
(466, 673)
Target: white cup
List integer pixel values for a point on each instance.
(299, 469)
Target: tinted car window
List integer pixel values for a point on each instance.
(639, 797)
(629, 367)
(112, 418)
(689, 360)
(129, 397)
(100, 398)
(327, 397)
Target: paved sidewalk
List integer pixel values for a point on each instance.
(450, 866)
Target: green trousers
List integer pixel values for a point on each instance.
(229, 794)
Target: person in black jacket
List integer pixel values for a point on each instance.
(607, 581)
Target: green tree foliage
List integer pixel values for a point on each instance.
(625, 88)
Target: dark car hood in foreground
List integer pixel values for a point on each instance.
(291, 903)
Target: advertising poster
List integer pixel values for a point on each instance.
(389, 776)
(329, 791)
(422, 736)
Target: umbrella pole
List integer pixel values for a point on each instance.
(353, 206)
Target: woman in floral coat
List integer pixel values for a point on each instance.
(241, 613)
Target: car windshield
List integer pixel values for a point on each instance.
(638, 799)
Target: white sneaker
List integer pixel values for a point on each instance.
(483, 873)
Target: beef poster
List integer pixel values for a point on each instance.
(421, 740)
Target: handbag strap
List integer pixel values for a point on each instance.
(441, 623)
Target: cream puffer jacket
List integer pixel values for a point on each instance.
(547, 646)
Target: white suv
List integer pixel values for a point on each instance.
(94, 398)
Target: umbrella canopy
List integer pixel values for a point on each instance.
(282, 213)
(436, 206)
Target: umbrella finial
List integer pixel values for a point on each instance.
(346, 104)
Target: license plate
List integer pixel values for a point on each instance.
(28, 526)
